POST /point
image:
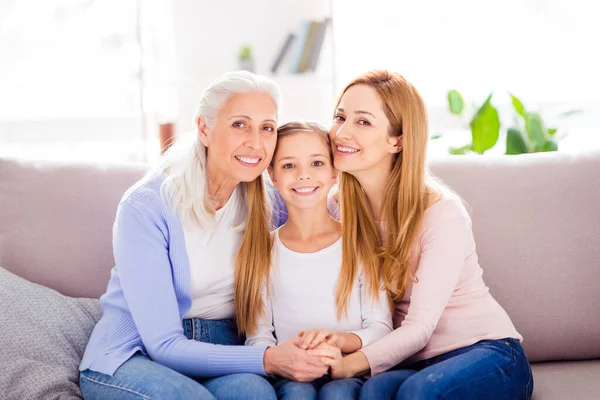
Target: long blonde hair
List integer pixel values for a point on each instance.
(409, 191)
(185, 188)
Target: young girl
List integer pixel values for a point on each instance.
(310, 285)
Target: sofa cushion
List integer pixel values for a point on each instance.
(42, 340)
(57, 221)
(537, 229)
(575, 380)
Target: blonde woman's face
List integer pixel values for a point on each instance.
(359, 133)
(241, 144)
(302, 170)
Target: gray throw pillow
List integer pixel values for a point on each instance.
(43, 335)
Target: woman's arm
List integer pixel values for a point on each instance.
(445, 244)
(145, 273)
(376, 318)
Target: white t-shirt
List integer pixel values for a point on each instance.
(302, 297)
(211, 253)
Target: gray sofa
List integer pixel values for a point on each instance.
(535, 217)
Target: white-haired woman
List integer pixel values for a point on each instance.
(190, 244)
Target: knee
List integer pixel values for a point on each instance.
(371, 389)
(297, 390)
(420, 387)
(342, 390)
(255, 387)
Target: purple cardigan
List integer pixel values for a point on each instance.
(149, 293)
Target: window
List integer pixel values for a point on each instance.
(71, 78)
(540, 50)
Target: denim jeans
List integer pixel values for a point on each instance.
(141, 378)
(489, 369)
(323, 388)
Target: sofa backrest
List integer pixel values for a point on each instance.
(535, 219)
(56, 222)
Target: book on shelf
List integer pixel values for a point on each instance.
(302, 49)
(287, 44)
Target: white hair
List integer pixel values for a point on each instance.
(185, 186)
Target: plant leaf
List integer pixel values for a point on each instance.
(460, 150)
(485, 127)
(535, 131)
(518, 105)
(456, 103)
(550, 145)
(434, 137)
(516, 142)
(552, 131)
(570, 112)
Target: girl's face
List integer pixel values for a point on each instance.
(302, 170)
(359, 133)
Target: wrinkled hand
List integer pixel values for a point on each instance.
(290, 361)
(332, 357)
(314, 337)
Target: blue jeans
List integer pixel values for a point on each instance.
(141, 378)
(323, 388)
(490, 369)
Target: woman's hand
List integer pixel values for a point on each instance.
(290, 361)
(315, 337)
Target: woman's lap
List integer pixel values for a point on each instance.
(141, 378)
(491, 369)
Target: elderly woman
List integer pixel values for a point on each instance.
(186, 236)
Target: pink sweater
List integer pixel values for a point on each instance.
(450, 306)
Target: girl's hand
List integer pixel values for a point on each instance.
(314, 337)
(331, 356)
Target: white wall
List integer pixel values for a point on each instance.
(208, 35)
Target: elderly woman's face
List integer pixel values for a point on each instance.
(241, 144)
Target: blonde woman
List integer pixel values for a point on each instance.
(452, 340)
(312, 292)
(191, 245)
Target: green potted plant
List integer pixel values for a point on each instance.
(528, 134)
(484, 124)
(245, 59)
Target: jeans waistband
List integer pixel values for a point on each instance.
(216, 331)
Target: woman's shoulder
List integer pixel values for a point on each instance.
(445, 205)
(145, 193)
(333, 204)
